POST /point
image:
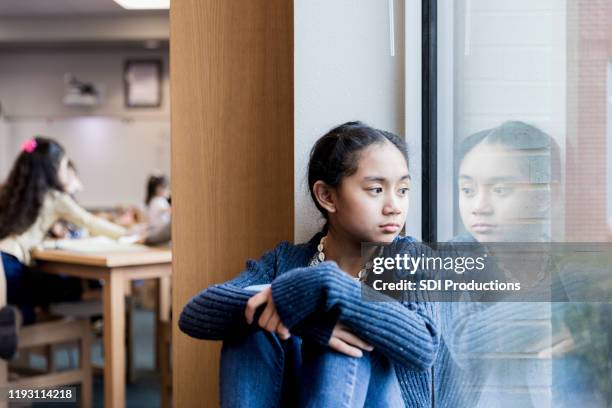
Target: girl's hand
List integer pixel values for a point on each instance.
(269, 319)
(345, 342)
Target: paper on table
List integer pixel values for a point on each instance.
(95, 244)
(129, 239)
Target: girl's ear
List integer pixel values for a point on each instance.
(324, 195)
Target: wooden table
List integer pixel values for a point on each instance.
(117, 269)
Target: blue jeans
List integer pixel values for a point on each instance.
(28, 289)
(260, 370)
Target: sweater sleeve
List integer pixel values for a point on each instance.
(217, 313)
(69, 210)
(474, 329)
(403, 332)
(316, 328)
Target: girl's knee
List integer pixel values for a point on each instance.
(257, 340)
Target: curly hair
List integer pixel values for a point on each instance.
(32, 176)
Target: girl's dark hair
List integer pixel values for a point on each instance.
(542, 152)
(153, 184)
(31, 177)
(336, 154)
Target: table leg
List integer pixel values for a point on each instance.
(87, 384)
(131, 365)
(163, 325)
(165, 381)
(163, 312)
(3, 379)
(164, 299)
(114, 341)
(157, 363)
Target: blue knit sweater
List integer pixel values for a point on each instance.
(311, 299)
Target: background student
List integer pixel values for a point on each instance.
(157, 201)
(64, 229)
(33, 198)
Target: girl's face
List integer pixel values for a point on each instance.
(162, 191)
(74, 184)
(497, 199)
(371, 204)
(62, 172)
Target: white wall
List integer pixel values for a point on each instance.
(115, 148)
(343, 71)
(609, 146)
(32, 83)
(4, 154)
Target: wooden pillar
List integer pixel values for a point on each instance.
(231, 70)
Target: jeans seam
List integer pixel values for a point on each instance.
(350, 391)
(278, 387)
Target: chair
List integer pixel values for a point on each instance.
(87, 309)
(49, 334)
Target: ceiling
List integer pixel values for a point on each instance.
(132, 28)
(54, 8)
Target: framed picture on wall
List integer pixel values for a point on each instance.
(142, 83)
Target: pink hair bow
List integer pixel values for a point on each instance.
(29, 145)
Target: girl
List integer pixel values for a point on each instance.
(73, 185)
(509, 191)
(158, 206)
(31, 200)
(508, 177)
(349, 352)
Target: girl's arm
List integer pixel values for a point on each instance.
(473, 329)
(403, 332)
(69, 210)
(218, 312)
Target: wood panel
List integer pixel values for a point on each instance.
(232, 156)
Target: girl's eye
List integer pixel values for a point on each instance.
(502, 190)
(376, 190)
(467, 191)
(404, 190)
